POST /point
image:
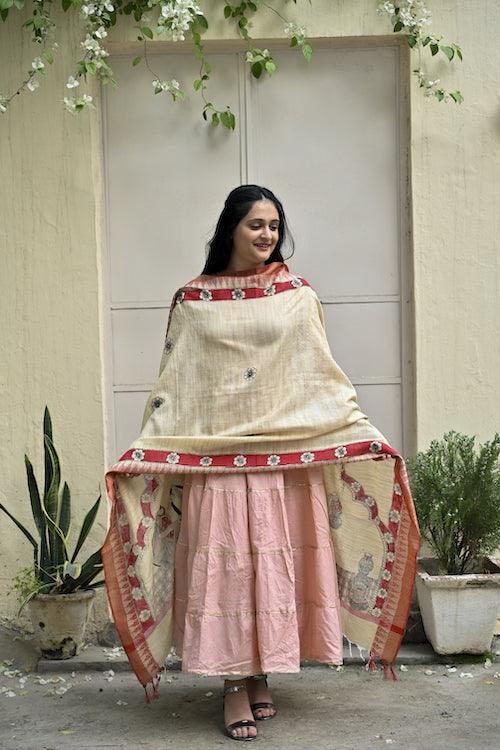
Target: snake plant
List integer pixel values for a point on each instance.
(54, 570)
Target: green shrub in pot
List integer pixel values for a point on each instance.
(54, 569)
(456, 491)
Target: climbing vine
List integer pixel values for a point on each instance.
(173, 19)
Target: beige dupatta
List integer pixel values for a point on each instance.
(247, 382)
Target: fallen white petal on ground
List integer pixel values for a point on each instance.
(403, 668)
(466, 674)
(429, 671)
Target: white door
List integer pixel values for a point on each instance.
(328, 138)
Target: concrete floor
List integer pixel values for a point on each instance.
(321, 707)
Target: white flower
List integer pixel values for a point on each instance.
(376, 611)
(238, 294)
(144, 615)
(270, 290)
(87, 10)
(147, 521)
(122, 519)
(273, 459)
(32, 84)
(250, 373)
(206, 294)
(131, 571)
(87, 98)
(307, 457)
(369, 500)
(137, 549)
(382, 593)
(72, 83)
(394, 516)
(356, 486)
(137, 593)
(179, 297)
(127, 546)
(37, 63)
(3, 108)
(138, 454)
(387, 575)
(375, 446)
(390, 556)
(388, 536)
(397, 489)
(110, 7)
(173, 458)
(205, 460)
(239, 460)
(292, 29)
(340, 451)
(295, 281)
(101, 32)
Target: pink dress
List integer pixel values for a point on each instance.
(255, 578)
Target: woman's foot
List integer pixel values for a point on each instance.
(258, 693)
(236, 709)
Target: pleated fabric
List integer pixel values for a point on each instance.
(255, 579)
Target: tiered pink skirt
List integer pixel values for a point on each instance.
(255, 579)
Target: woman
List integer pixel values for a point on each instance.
(259, 516)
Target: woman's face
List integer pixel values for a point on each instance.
(255, 237)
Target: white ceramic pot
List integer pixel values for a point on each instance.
(59, 621)
(459, 612)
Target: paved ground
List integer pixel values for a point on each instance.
(452, 705)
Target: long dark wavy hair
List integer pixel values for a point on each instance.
(237, 205)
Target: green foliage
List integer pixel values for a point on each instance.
(53, 570)
(456, 491)
(173, 19)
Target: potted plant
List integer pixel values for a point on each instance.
(58, 589)
(456, 492)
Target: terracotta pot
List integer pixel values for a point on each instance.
(459, 612)
(59, 621)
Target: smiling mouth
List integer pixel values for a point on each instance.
(261, 244)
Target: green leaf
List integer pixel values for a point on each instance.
(227, 11)
(412, 40)
(307, 51)
(20, 526)
(398, 26)
(47, 55)
(90, 568)
(270, 66)
(449, 52)
(137, 60)
(215, 118)
(434, 49)
(146, 31)
(197, 84)
(64, 519)
(86, 526)
(457, 96)
(50, 508)
(459, 53)
(47, 430)
(66, 4)
(293, 41)
(38, 516)
(206, 67)
(6, 4)
(19, 4)
(256, 69)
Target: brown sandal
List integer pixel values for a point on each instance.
(237, 724)
(255, 706)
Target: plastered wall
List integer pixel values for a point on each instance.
(52, 249)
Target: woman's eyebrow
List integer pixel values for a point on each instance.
(277, 221)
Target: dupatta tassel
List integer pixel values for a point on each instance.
(146, 695)
(156, 681)
(370, 665)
